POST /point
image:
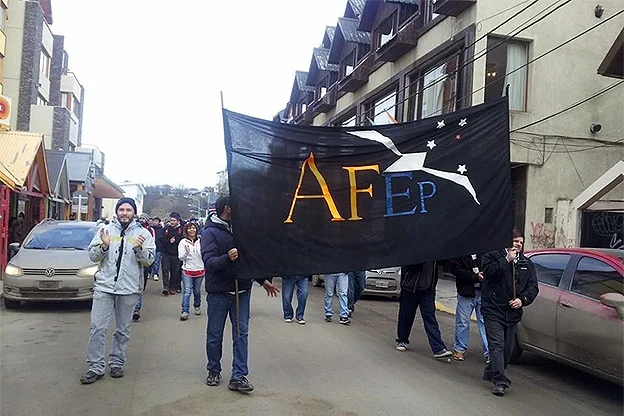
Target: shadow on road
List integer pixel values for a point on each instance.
(59, 307)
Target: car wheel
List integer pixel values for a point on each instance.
(394, 298)
(11, 304)
(516, 351)
(316, 281)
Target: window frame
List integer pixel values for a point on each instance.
(381, 97)
(576, 267)
(377, 38)
(344, 64)
(526, 44)
(563, 272)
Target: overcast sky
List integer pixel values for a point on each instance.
(152, 72)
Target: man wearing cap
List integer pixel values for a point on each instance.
(123, 249)
(171, 264)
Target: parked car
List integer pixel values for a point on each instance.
(578, 316)
(52, 264)
(380, 282)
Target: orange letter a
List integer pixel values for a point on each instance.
(323, 184)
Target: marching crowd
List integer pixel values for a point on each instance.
(495, 285)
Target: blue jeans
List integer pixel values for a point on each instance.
(409, 303)
(155, 267)
(340, 281)
(288, 288)
(219, 306)
(357, 283)
(465, 306)
(191, 285)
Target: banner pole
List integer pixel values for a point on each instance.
(222, 106)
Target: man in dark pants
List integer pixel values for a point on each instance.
(223, 289)
(171, 264)
(418, 283)
(357, 284)
(509, 284)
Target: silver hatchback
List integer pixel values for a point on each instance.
(52, 264)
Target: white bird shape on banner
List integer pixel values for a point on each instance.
(412, 162)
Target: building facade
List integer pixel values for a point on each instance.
(426, 58)
(135, 191)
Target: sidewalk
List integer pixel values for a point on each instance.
(446, 297)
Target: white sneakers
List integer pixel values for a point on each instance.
(198, 311)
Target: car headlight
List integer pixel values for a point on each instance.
(13, 271)
(88, 271)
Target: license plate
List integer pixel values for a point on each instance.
(49, 285)
(381, 284)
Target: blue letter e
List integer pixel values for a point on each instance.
(389, 195)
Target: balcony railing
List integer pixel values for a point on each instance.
(452, 7)
(357, 77)
(325, 103)
(306, 118)
(401, 43)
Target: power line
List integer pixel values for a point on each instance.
(574, 165)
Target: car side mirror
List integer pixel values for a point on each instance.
(14, 246)
(615, 301)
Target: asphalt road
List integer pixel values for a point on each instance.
(317, 369)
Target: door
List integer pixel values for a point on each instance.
(589, 332)
(539, 322)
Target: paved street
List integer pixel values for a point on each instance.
(316, 369)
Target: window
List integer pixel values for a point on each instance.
(321, 88)
(348, 64)
(66, 100)
(406, 12)
(385, 31)
(44, 64)
(548, 215)
(550, 267)
(362, 50)
(430, 14)
(594, 278)
(350, 122)
(500, 62)
(41, 100)
(382, 111)
(439, 93)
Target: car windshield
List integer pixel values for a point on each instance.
(61, 237)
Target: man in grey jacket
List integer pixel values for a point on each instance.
(123, 248)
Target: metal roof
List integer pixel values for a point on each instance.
(357, 6)
(320, 56)
(18, 153)
(300, 78)
(78, 166)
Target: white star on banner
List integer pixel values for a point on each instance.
(441, 124)
(462, 169)
(462, 122)
(431, 144)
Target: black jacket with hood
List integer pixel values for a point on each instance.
(169, 248)
(466, 280)
(422, 276)
(498, 289)
(216, 241)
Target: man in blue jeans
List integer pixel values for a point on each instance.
(357, 284)
(338, 283)
(219, 256)
(289, 283)
(468, 278)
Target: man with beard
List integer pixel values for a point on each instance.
(171, 264)
(123, 249)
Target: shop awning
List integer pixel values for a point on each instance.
(105, 188)
(19, 152)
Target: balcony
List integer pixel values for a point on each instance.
(405, 40)
(452, 7)
(325, 103)
(305, 119)
(357, 77)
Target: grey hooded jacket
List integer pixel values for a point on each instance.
(122, 273)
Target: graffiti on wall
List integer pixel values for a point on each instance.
(603, 229)
(542, 235)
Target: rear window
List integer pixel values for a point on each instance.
(550, 267)
(61, 237)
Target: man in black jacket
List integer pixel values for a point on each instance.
(220, 256)
(509, 284)
(158, 236)
(171, 264)
(418, 283)
(468, 278)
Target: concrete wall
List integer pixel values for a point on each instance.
(42, 121)
(13, 61)
(30, 56)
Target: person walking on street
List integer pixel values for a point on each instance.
(136, 315)
(357, 284)
(418, 289)
(189, 253)
(226, 296)
(158, 233)
(123, 249)
(338, 283)
(468, 278)
(509, 284)
(289, 283)
(171, 265)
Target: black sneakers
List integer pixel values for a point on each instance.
(136, 316)
(213, 378)
(240, 384)
(499, 390)
(328, 318)
(90, 377)
(116, 372)
(345, 321)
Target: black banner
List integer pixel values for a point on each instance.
(309, 200)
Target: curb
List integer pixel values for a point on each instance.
(443, 308)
